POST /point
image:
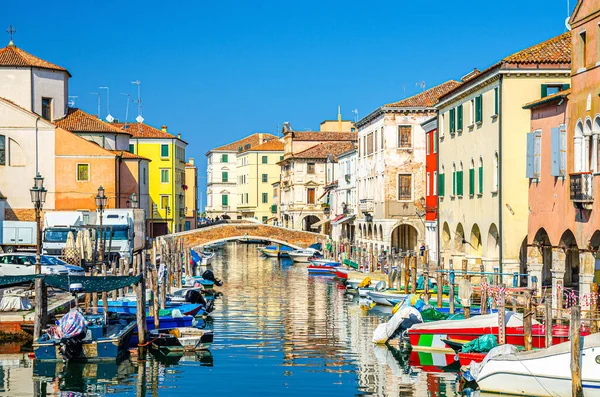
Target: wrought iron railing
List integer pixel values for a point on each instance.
(581, 188)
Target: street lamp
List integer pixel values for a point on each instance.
(134, 200)
(38, 198)
(101, 202)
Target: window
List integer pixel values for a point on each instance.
(265, 198)
(310, 196)
(459, 180)
(582, 50)
(83, 172)
(164, 176)
(265, 178)
(480, 191)
(225, 176)
(264, 219)
(188, 225)
(459, 118)
(442, 126)
(164, 202)
(2, 150)
(47, 108)
(280, 158)
(404, 187)
(265, 160)
(435, 181)
(534, 154)
(428, 181)
(428, 142)
(479, 109)
(144, 175)
(442, 182)
(131, 148)
(225, 200)
(472, 179)
(559, 150)
(496, 101)
(452, 120)
(375, 141)
(224, 158)
(370, 144)
(472, 113)
(164, 150)
(434, 141)
(310, 168)
(382, 139)
(404, 136)
(453, 179)
(496, 173)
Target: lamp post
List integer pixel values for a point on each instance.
(101, 201)
(38, 198)
(134, 200)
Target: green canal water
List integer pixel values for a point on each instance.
(278, 332)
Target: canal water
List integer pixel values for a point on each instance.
(278, 332)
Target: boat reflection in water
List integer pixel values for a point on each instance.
(202, 357)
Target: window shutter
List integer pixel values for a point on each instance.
(478, 109)
(460, 183)
(442, 185)
(566, 86)
(563, 149)
(452, 120)
(472, 181)
(454, 183)
(544, 90)
(529, 173)
(496, 100)
(555, 164)
(481, 179)
(224, 199)
(460, 118)
(537, 160)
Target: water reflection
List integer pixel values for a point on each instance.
(278, 331)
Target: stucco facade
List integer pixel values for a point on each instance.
(341, 196)
(482, 156)
(191, 195)
(431, 181)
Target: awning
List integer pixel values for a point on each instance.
(320, 223)
(337, 219)
(271, 218)
(344, 219)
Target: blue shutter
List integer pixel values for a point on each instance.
(563, 149)
(529, 173)
(555, 169)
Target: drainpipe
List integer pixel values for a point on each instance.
(36, 145)
(500, 227)
(118, 181)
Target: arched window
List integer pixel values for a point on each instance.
(496, 173)
(472, 178)
(480, 191)
(578, 148)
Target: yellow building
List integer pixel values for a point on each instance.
(166, 175)
(482, 157)
(338, 125)
(257, 170)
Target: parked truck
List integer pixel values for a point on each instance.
(58, 224)
(128, 228)
(18, 235)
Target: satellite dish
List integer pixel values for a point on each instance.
(110, 118)
(71, 103)
(567, 24)
(139, 119)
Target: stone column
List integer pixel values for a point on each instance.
(559, 258)
(587, 263)
(535, 264)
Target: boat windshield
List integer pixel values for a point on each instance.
(57, 235)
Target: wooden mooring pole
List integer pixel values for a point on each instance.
(548, 321)
(501, 320)
(575, 329)
(140, 292)
(528, 322)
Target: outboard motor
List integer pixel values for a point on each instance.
(71, 348)
(193, 296)
(210, 276)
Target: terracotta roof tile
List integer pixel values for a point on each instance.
(554, 50)
(76, 120)
(324, 136)
(252, 140)
(322, 150)
(12, 55)
(128, 155)
(272, 145)
(141, 130)
(427, 98)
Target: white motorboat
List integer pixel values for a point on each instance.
(544, 372)
(302, 255)
(383, 297)
(207, 257)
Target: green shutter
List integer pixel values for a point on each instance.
(441, 185)
(481, 179)
(566, 86)
(225, 158)
(496, 99)
(225, 176)
(264, 159)
(435, 141)
(478, 109)
(452, 120)
(265, 198)
(454, 183)
(460, 183)
(224, 199)
(164, 150)
(131, 149)
(544, 90)
(265, 178)
(460, 118)
(472, 181)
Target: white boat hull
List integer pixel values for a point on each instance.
(542, 373)
(382, 298)
(269, 253)
(299, 258)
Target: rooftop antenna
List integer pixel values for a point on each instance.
(97, 93)
(109, 118)
(421, 84)
(72, 100)
(139, 117)
(11, 31)
(128, 95)
(567, 26)
(355, 111)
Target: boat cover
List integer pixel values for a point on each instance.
(483, 344)
(405, 318)
(195, 257)
(484, 321)
(502, 350)
(71, 324)
(90, 283)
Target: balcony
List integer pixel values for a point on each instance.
(326, 209)
(582, 187)
(366, 206)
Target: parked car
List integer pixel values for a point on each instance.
(24, 263)
(52, 260)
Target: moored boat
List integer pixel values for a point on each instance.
(193, 339)
(323, 261)
(302, 255)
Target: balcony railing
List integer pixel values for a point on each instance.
(582, 187)
(367, 206)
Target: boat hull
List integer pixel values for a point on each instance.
(382, 298)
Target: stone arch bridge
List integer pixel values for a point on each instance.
(232, 231)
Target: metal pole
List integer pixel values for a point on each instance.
(40, 314)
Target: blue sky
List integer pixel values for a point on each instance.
(218, 71)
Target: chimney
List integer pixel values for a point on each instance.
(164, 128)
(178, 136)
(260, 138)
(191, 160)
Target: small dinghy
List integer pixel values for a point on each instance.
(193, 339)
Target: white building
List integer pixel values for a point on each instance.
(341, 195)
(221, 176)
